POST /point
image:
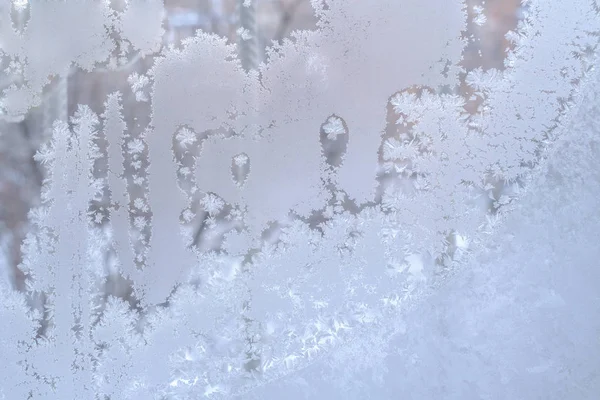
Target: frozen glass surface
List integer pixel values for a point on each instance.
(320, 199)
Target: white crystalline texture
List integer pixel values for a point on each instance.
(358, 217)
(333, 128)
(60, 35)
(244, 33)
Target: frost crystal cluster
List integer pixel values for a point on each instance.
(287, 229)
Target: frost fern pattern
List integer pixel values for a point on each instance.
(266, 218)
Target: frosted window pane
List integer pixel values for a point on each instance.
(299, 199)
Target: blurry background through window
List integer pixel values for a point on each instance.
(272, 22)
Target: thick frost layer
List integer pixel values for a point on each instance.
(521, 319)
(279, 219)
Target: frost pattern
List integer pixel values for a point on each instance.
(272, 218)
(60, 35)
(517, 321)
